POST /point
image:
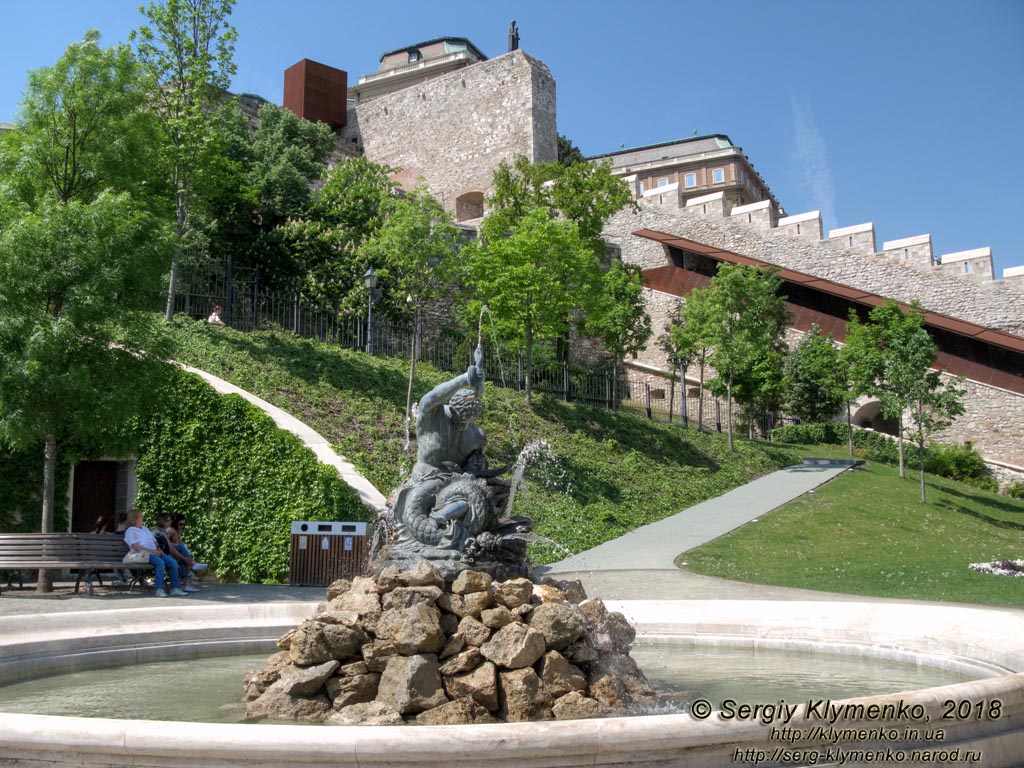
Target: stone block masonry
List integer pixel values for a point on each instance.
(452, 131)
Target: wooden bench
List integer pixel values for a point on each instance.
(85, 553)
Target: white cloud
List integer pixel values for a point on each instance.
(810, 156)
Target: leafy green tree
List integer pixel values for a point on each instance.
(532, 276)
(577, 201)
(934, 404)
(889, 358)
(568, 153)
(74, 279)
(620, 320)
(415, 252)
(82, 128)
(325, 247)
(288, 155)
(814, 381)
(744, 319)
(187, 47)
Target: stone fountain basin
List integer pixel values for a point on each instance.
(983, 639)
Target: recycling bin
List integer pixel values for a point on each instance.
(324, 551)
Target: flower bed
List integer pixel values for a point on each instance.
(1001, 567)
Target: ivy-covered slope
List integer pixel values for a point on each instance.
(593, 475)
(239, 479)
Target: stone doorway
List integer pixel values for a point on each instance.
(99, 491)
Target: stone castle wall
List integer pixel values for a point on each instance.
(452, 131)
(994, 418)
(993, 305)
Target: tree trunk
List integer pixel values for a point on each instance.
(728, 411)
(899, 442)
(682, 396)
(412, 374)
(671, 397)
(529, 362)
(849, 427)
(920, 456)
(700, 402)
(172, 283)
(45, 580)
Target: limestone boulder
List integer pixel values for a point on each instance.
(547, 593)
(315, 642)
(616, 680)
(284, 642)
(514, 646)
(364, 585)
(513, 593)
(474, 603)
(368, 713)
(575, 706)
(559, 676)
(278, 705)
(376, 654)
(452, 646)
(463, 711)
(366, 605)
(560, 623)
(573, 589)
(352, 689)
(423, 574)
(522, 696)
(610, 631)
(496, 617)
(406, 597)
(416, 629)
(389, 578)
(411, 684)
(480, 684)
(473, 632)
(305, 681)
(468, 582)
(454, 604)
(338, 587)
(463, 662)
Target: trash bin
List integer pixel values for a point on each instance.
(322, 552)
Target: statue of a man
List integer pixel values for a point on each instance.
(446, 433)
(513, 36)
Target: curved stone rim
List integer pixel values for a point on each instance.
(49, 641)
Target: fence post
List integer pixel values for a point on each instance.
(229, 298)
(608, 390)
(718, 414)
(647, 394)
(565, 381)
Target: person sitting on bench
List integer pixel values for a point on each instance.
(140, 538)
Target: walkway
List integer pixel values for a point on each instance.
(656, 546)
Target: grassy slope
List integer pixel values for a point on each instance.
(867, 533)
(604, 474)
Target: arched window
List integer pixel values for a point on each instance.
(469, 205)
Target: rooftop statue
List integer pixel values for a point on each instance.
(449, 511)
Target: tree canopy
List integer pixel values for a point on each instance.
(815, 382)
(743, 318)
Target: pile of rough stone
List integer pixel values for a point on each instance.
(406, 647)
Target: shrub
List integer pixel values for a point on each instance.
(958, 461)
(1015, 489)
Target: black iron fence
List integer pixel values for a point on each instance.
(246, 308)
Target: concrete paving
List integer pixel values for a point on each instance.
(656, 546)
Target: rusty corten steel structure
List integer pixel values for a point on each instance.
(679, 281)
(317, 92)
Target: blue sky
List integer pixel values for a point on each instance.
(907, 113)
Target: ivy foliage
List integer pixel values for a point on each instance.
(21, 488)
(238, 478)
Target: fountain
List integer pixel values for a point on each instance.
(447, 524)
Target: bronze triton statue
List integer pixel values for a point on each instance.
(449, 510)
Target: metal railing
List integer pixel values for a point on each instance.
(660, 399)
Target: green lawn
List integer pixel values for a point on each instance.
(867, 533)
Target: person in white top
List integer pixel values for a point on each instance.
(214, 318)
(140, 538)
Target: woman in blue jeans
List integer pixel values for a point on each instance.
(140, 538)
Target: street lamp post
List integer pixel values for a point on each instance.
(373, 293)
